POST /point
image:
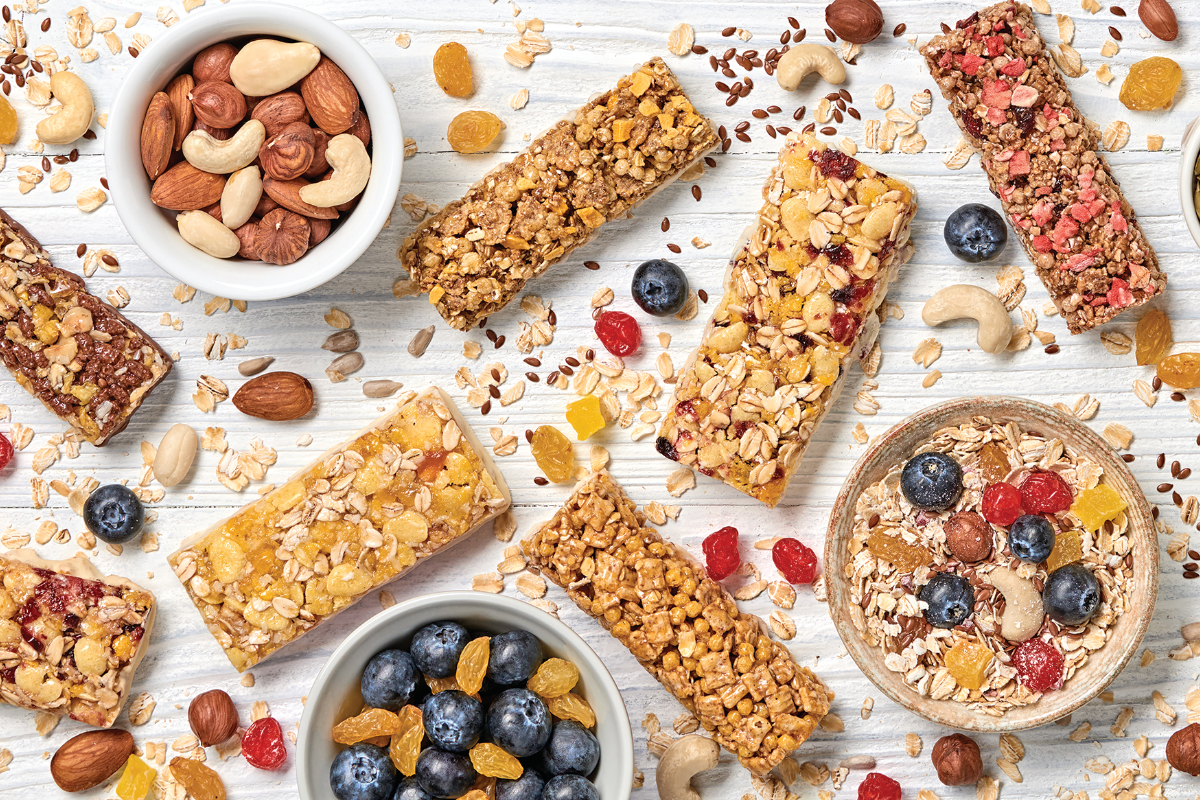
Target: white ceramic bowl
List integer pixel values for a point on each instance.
(335, 696)
(1189, 151)
(154, 229)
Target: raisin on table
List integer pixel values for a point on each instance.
(1153, 337)
(452, 70)
(473, 131)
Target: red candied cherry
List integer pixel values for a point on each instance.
(797, 562)
(721, 553)
(619, 333)
(1002, 504)
(877, 786)
(1039, 665)
(6, 451)
(1045, 492)
(262, 744)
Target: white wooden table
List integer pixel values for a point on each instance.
(594, 43)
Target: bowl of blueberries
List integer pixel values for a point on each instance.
(464, 694)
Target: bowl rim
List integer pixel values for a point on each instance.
(157, 236)
(502, 608)
(963, 718)
(1189, 152)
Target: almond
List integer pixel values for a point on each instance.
(247, 234)
(276, 396)
(212, 715)
(287, 194)
(185, 188)
(218, 104)
(212, 63)
(1159, 19)
(330, 97)
(90, 759)
(180, 92)
(280, 110)
(289, 153)
(361, 127)
(282, 237)
(158, 135)
(318, 231)
(265, 205)
(319, 165)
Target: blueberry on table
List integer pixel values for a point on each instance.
(527, 787)
(949, 599)
(437, 646)
(1031, 538)
(519, 722)
(113, 514)
(570, 787)
(932, 481)
(514, 657)
(390, 680)
(410, 789)
(572, 750)
(1071, 595)
(660, 288)
(975, 233)
(453, 720)
(445, 774)
(362, 772)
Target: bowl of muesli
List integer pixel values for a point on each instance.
(992, 564)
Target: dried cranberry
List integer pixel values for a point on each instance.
(1045, 492)
(836, 163)
(262, 744)
(1025, 118)
(1002, 504)
(877, 786)
(973, 124)
(838, 254)
(6, 451)
(843, 327)
(665, 448)
(619, 333)
(797, 562)
(721, 553)
(1039, 665)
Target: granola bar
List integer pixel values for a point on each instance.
(474, 256)
(801, 303)
(684, 628)
(1043, 160)
(413, 483)
(70, 638)
(77, 354)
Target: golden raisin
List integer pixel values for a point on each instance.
(993, 463)
(1181, 370)
(903, 556)
(553, 453)
(406, 742)
(1153, 337)
(473, 664)
(200, 781)
(367, 725)
(8, 121)
(554, 678)
(473, 131)
(494, 762)
(452, 70)
(1151, 84)
(437, 685)
(572, 706)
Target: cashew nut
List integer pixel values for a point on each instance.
(351, 170)
(74, 117)
(685, 757)
(220, 157)
(1023, 612)
(202, 231)
(963, 301)
(267, 66)
(805, 58)
(240, 196)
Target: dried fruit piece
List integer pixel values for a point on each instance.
(796, 561)
(877, 786)
(367, 725)
(1097, 505)
(406, 742)
(585, 416)
(968, 662)
(572, 706)
(554, 678)
(1001, 504)
(452, 70)
(493, 762)
(1068, 548)
(619, 333)
(6, 451)
(201, 782)
(900, 554)
(262, 744)
(1181, 370)
(136, 780)
(1045, 492)
(8, 122)
(993, 463)
(553, 453)
(473, 131)
(1151, 84)
(1039, 665)
(1153, 337)
(721, 553)
(473, 664)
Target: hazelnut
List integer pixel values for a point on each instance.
(212, 63)
(247, 235)
(957, 761)
(969, 536)
(282, 237)
(1183, 749)
(218, 104)
(279, 111)
(855, 21)
(289, 153)
(213, 717)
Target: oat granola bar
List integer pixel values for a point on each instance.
(70, 638)
(1043, 160)
(413, 483)
(801, 303)
(474, 256)
(684, 628)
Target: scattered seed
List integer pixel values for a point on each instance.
(830, 35)
(666, 225)
(529, 436)
(696, 190)
(785, 37)
(494, 391)
(730, 31)
(533, 377)
(733, 98)
(104, 182)
(1163, 488)
(699, 49)
(45, 27)
(674, 248)
(1114, 33)
(703, 295)
(1116, 11)
(1190, 575)
(899, 29)
(744, 137)
(1174, 469)
(486, 407)
(828, 130)
(1156, 383)
(540, 481)
(1127, 458)
(1178, 397)
(1176, 499)
(382, 388)
(1052, 349)
(760, 113)
(1162, 457)
(798, 114)
(771, 131)
(1185, 473)
(79, 251)
(416, 348)
(499, 342)
(741, 127)
(854, 112)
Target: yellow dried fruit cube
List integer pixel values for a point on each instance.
(968, 663)
(1098, 505)
(136, 780)
(585, 416)
(1068, 548)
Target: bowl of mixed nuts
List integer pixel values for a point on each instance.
(991, 563)
(243, 153)
(1189, 178)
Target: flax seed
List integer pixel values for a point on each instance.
(1174, 469)
(591, 265)
(722, 87)
(45, 27)
(744, 137)
(828, 130)
(728, 73)
(1194, 555)
(1154, 512)
(1157, 384)
(61, 160)
(699, 49)
(793, 22)
(1114, 33)
(1190, 575)
(783, 129)
(1052, 349)
(710, 162)
(809, 128)
(7, 14)
(1176, 499)
(742, 126)
(79, 251)
(529, 436)
(1178, 397)
(703, 295)
(1191, 566)
(696, 193)
(899, 30)
(733, 98)
(491, 334)
(745, 90)
(533, 362)
(1163, 488)
(712, 62)
(1185, 473)
(799, 35)
(533, 377)
(785, 37)
(727, 143)
(674, 248)
(760, 113)
(852, 111)
(730, 53)
(590, 354)
(837, 116)
(486, 407)
(499, 342)
(730, 31)
(1127, 458)
(111, 260)
(1116, 11)
(830, 35)
(722, 133)
(771, 131)
(665, 225)
(540, 481)
(565, 370)
(552, 377)
(494, 391)
(1162, 458)
(798, 114)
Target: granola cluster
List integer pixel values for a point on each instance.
(1043, 161)
(801, 303)
(474, 256)
(684, 628)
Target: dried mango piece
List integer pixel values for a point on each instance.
(968, 663)
(903, 556)
(1096, 506)
(367, 725)
(136, 780)
(1068, 548)
(585, 416)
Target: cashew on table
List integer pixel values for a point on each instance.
(687, 756)
(805, 58)
(963, 301)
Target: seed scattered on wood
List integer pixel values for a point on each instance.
(540, 481)
(1127, 458)
(416, 348)
(347, 364)
(1116, 11)
(666, 225)
(381, 388)
(341, 342)
(674, 248)
(1114, 33)
(1162, 457)
(79, 251)
(254, 366)
(899, 29)
(830, 35)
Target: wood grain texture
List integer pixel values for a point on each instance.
(594, 43)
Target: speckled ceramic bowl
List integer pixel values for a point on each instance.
(895, 446)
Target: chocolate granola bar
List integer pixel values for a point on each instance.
(801, 303)
(1043, 160)
(410, 485)
(684, 628)
(77, 354)
(474, 256)
(70, 638)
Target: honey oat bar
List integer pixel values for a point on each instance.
(77, 354)
(683, 627)
(1043, 160)
(70, 638)
(411, 484)
(801, 302)
(474, 256)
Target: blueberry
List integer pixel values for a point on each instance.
(932, 481)
(437, 646)
(362, 772)
(444, 774)
(1071, 595)
(113, 513)
(410, 789)
(527, 787)
(660, 288)
(514, 657)
(1031, 538)
(975, 233)
(950, 600)
(390, 680)
(572, 750)
(519, 722)
(569, 787)
(453, 720)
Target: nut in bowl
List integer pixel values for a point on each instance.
(991, 564)
(247, 140)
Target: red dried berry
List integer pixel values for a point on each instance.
(721, 553)
(877, 786)
(1002, 503)
(797, 562)
(1039, 665)
(262, 745)
(6, 451)
(619, 333)
(1045, 492)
